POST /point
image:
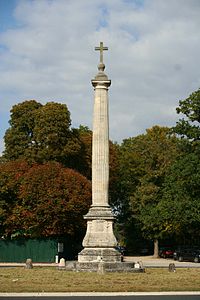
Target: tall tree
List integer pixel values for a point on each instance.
(144, 162)
(19, 138)
(51, 201)
(41, 133)
(188, 126)
(181, 193)
(11, 174)
(180, 205)
(51, 131)
(84, 159)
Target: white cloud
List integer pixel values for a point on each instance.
(152, 60)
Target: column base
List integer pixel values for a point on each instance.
(99, 254)
(102, 267)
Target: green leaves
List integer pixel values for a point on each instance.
(41, 133)
(144, 162)
(38, 133)
(181, 191)
(182, 184)
(189, 107)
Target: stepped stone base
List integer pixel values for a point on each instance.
(101, 267)
(99, 254)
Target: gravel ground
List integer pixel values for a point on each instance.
(150, 261)
(147, 261)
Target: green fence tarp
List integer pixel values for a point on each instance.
(39, 250)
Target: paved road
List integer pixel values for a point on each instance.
(151, 262)
(148, 262)
(108, 297)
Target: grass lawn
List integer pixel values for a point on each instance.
(53, 280)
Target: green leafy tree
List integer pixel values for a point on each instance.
(180, 202)
(180, 205)
(41, 133)
(52, 132)
(84, 160)
(38, 133)
(144, 163)
(51, 201)
(114, 179)
(188, 127)
(19, 138)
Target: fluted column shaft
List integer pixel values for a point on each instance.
(100, 144)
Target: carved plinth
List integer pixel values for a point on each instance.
(99, 254)
(99, 242)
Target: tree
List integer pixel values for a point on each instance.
(114, 188)
(11, 174)
(51, 201)
(19, 138)
(52, 136)
(38, 132)
(180, 205)
(41, 133)
(180, 202)
(84, 160)
(143, 166)
(188, 127)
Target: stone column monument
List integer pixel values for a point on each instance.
(99, 242)
(99, 253)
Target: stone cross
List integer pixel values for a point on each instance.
(101, 48)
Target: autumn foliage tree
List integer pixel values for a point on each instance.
(11, 174)
(51, 201)
(40, 135)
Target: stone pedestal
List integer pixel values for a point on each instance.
(99, 242)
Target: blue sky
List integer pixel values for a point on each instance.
(6, 14)
(47, 54)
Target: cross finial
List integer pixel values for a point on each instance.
(101, 48)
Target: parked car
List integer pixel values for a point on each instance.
(187, 254)
(166, 252)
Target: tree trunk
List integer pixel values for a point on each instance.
(156, 249)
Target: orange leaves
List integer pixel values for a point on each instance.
(50, 200)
